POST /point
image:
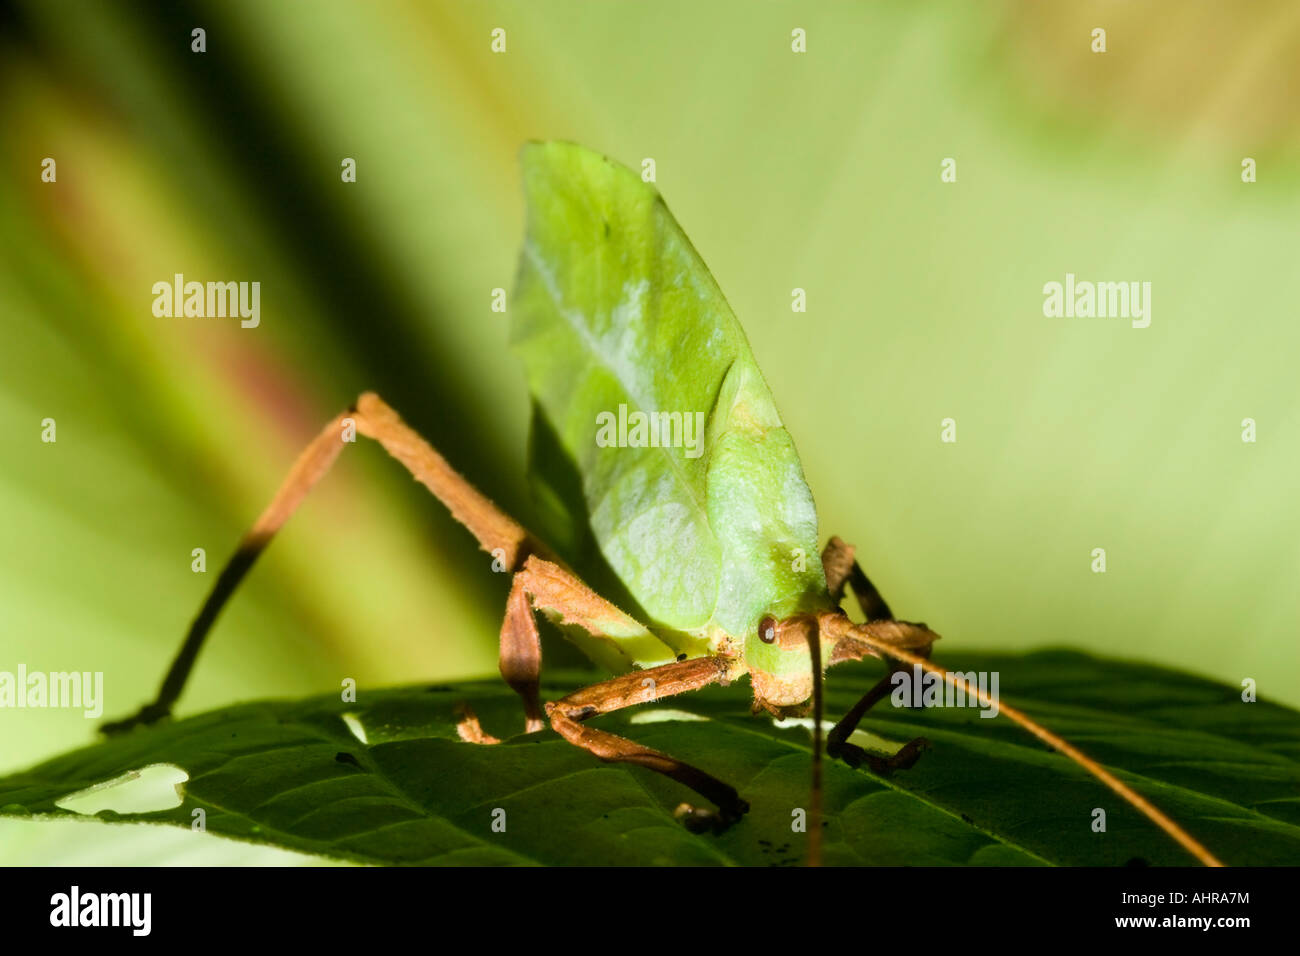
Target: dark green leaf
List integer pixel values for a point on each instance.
(294, 775)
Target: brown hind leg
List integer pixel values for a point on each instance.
(497, 532)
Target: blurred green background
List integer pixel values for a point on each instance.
(818, 171)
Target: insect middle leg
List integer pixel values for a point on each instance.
(568, 713)
(545, 586)
(842, 568)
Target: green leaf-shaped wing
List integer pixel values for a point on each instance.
(704, 517)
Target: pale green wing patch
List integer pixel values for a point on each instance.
(615, 315)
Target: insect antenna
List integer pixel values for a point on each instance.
(861, 635)
(815, 809)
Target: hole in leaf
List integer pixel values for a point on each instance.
(661, 715)
(159, 786)
(354, 725)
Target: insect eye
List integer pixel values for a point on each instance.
(767, 630)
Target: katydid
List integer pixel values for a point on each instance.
(695, 506)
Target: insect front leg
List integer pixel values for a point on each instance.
(842, 568)
(837, 740)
